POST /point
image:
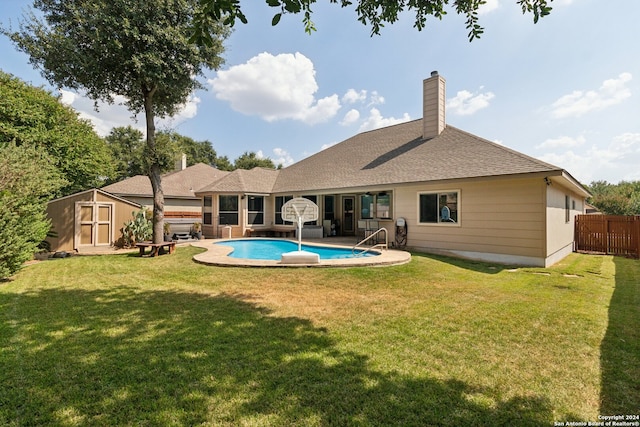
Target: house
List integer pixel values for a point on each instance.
(181, 206)
(434, 187)
(94, 218)
(89, 219)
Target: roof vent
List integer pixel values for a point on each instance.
(434, 73)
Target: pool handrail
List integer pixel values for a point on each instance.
(384, 245)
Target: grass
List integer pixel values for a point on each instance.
(120, 340)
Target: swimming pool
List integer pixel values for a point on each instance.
(272, 249)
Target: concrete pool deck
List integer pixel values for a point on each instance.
(216, 254)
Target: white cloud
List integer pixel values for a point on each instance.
(375, 99)
(67, 97)
(562, 142)
(616, 162)
(275, 88)
(351, 117)
(282, 157)
(113, 115)
(375, 120)
(577, 103)
(352, 96)
(488, 6)
(325, 146)
(466, 103)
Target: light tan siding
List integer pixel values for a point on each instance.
(62, 213)
(505, 217)
(560, 231)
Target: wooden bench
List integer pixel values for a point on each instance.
(155, 247)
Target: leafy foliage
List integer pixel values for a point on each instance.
(127, 148)
(33, 117)
(196, 151)
(27, 178)
(138, 49)
(250, 160)
(616, 199)
(374, 13)
(137, 229)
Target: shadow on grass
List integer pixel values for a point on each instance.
(125, 356)
(620, 348)
(477, 266)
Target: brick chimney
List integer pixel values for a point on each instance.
(433, 100)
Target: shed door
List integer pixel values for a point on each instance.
(94, 224)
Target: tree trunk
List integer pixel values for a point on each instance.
(154, 169)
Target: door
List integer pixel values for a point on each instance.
(93, 224)
(348, 211)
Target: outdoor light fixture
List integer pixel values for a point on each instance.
(547, 180)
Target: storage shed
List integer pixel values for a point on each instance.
(90, 219)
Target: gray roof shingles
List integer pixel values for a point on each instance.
(257, 180)
(398, 154)
(392, 155)
(181, 184)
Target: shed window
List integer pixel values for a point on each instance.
(228, 210)
(437, 208)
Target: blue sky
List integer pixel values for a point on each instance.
(565, 90)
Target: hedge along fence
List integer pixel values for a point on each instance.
(608, 234)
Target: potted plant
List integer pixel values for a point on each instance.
(197, 230)
(167, 232)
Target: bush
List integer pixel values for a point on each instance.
(27, 178)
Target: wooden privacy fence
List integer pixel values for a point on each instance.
(609, 234)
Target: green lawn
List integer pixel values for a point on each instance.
(122, 340)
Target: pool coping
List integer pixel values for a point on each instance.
(217, 255)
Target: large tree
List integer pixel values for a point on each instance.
(33, 117)
(250, 160)
(196, 151)
(139, 49)
(375, 13)
(127, 148)
(616, 199)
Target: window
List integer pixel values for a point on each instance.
(438, 208)
(207, 210)
(314, 199)
(328, 208)
(280, 201)
(383, 205)
(256, 210)
(567, 210)
(366, 206)
(228, 210)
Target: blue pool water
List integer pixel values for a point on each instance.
(272, 249)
